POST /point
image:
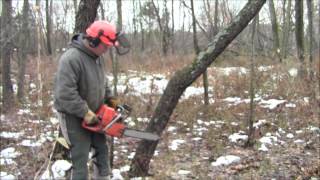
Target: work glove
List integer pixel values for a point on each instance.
(112, 102)
(90, 118)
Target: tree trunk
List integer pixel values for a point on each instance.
(163, 27)
(75, 6)
(22, 53)
(115, 67)
(275, 30)
(310, 33)
(312, 66)
(207, 9)
(49, 29)
(141, 29)
(250, 141)
(216, 14)
(299, 36)
(134, 19)
(286, 31)
(197, 50)
(6, 49)
(103, 16)
(185, 77)
(172, 30)
(86, 14)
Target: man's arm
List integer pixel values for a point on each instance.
(66, 89)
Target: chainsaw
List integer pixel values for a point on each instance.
(112, 123)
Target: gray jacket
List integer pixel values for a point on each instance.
(80, 80)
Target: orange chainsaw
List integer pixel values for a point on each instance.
(112, 124)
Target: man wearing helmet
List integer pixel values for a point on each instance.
(80, 89)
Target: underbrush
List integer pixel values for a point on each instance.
(274, 81)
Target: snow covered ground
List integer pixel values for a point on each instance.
(139, 84)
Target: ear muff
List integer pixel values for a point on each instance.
(94, 42)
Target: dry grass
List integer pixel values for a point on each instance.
(215, 141)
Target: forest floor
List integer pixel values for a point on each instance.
(200, 142)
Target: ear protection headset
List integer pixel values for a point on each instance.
(94, 42)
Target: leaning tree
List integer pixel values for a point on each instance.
(185, 77)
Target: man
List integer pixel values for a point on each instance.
(80, 89)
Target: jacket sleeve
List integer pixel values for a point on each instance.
(66, 89)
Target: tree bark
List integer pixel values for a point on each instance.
(207, 10)
(300, 36)
(310, 33)
(49, 22)
(22, 53)
(75, 6)
(172, 29)
(197, 50)
(6, 50)
(141, 29)
(286, 31)
(275, 30)
(86, 14)
(250, 141)
(103, 16)
(185, 77)
(115, 68)
(163, 27)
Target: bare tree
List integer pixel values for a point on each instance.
(163, 25)
(102, 11)
(141, 28)
(250, 141)
(75, 6)
(310, 33)
(23, 48)
(49, 24)
(197, 50)
(182, 79)
(300, 36)
(115, 69)
(275, 30)
(172, 29)
(286, 30)
(86, 14)
(6, 50)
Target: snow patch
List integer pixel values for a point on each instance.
(290, 135)
(9, 153)
(263, 147)
(237, 136)
(14, 135)
(299, 141)
(259, 123)
(293, 72)
(226, 160)
(175, 143)
(131, 155)
(184, 172)
(29, 143)
(116, 175)
(6, 176)
(125, 168)
(271, 103)
(171, 128)
(58, 168)
(268, 139)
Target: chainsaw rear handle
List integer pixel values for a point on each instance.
(110, 120)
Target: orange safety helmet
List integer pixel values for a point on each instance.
(103, 31)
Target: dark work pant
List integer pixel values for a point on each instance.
(81, 141)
